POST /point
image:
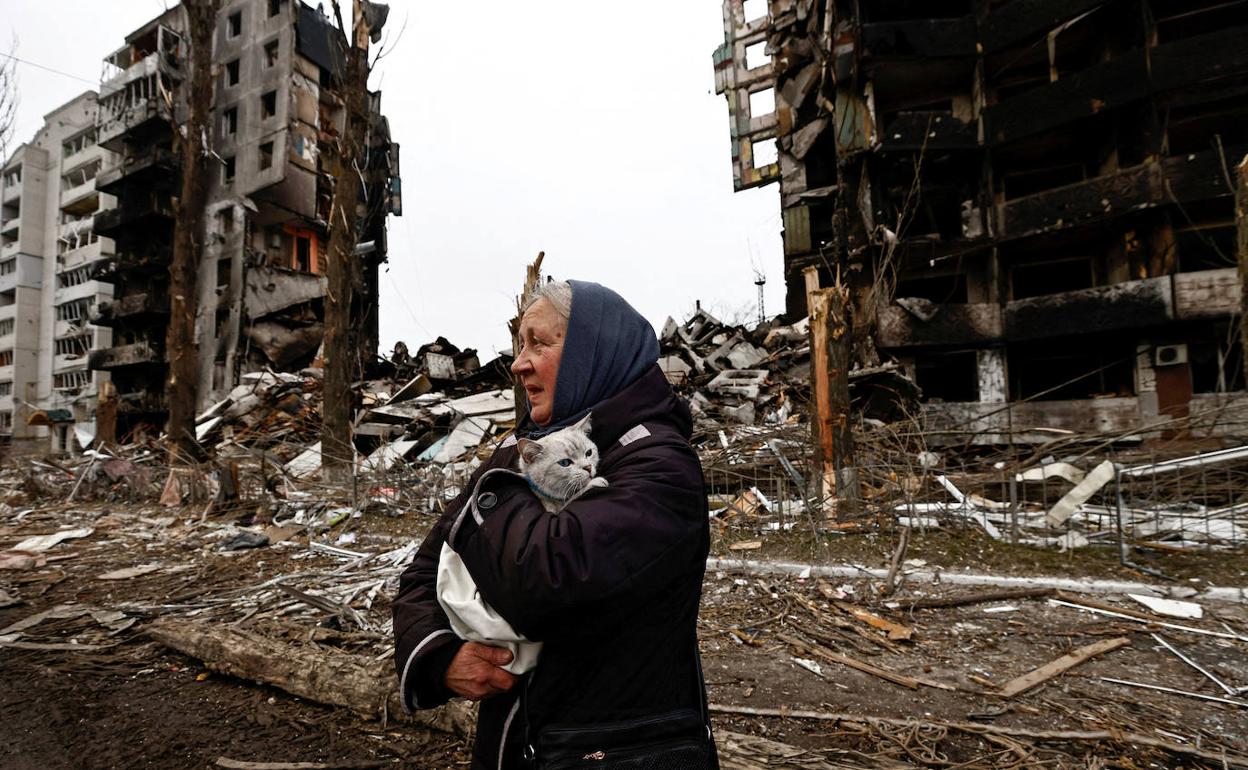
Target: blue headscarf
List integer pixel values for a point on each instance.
(608, 346)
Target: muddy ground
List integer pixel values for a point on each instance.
(125, 702)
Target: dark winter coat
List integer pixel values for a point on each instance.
(611, 584)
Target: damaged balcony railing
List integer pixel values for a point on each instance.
(1199, 501)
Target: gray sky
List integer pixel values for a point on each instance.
(583, 128)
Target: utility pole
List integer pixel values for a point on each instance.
(343, 271)
(181, 347)
(760, 280)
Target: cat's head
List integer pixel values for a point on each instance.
(562, 463)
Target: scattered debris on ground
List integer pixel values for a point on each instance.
(250, 566)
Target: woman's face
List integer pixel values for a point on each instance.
(537, 362)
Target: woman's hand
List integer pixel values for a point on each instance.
(476, 671)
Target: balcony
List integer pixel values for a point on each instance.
(81, 200)
(83, 255)
(156, 261)
(11, 193)
(1207, 294)
(1149, 302)
(952, 324)
(62, 363)
(1126, 305)
(68, 328)
(130, 96)
(123, 356)
(87, 154)
(127, 114)
(133, 210)
(134, 306)
(157, 51)
(142, 404)
(11, 225)
(152, 166)
(1030, 422)
(86, 290)
(104, 271)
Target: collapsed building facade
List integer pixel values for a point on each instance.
(1037, 196)
(277, 103)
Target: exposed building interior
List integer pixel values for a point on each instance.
(1038, 197)
(277, 102)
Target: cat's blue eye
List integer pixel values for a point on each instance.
(564, 463)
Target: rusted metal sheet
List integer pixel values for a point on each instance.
(797, 230)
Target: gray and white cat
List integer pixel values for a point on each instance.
(559, 468)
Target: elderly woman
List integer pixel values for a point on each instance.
(610, 584)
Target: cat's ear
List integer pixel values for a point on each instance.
(584, 425)
(529, 450)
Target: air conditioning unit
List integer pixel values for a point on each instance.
(1169, 355)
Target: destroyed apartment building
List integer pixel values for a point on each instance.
(48, 249)
(278, 101)
(1038, 198)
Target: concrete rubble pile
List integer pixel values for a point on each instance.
(734, 376)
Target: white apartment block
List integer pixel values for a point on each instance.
(48, 257)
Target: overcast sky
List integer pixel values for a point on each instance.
(586, 129)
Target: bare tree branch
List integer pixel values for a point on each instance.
(8, 98)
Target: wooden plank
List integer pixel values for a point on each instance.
(896, 631)
(981, 597)
(1061, 665)
(835, 657)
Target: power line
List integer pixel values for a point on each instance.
(49, 69)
